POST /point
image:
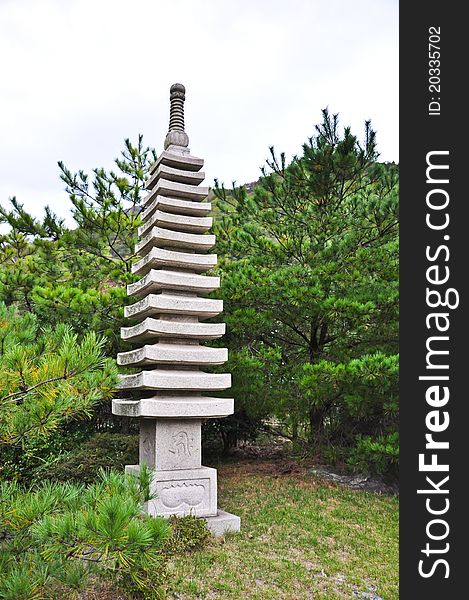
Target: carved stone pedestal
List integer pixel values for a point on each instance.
(183, 492)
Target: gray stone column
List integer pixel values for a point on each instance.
(170, 384)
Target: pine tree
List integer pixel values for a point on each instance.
(54, 537)
(107, 208)
(48, 378)
(77, 275)
(310, 281)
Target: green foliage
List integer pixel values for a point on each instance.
(364, 390)
(55, 536)
(255, 400)
(107, 208)
(145, 477)
(377, 455)
(309, 265)
(82, 463)
(188, 533)
(78, 276)
(60, 534)
(48, 378)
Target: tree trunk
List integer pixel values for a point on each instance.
(225, 441)
(316, 425)
(125, 424)
(294, 429)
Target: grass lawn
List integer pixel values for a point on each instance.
(300, 538)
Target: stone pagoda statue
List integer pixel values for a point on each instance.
(170, 390)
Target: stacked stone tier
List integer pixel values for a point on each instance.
(173, 379)
(176, 206)
(171, 188)
(152, 328)
(162, 279)
(178, 175)
(176, 222)
(183, 161)
(171, 407)
(164, 238)
(173, 354)
(158, 257)
(166, 303)
(171, 308)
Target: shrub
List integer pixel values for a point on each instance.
(57, 535)
(82, 465)
(49, 378)
(58, 538)
(21, 461)
(188, 533)
(378, 456)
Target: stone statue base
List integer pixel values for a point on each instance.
(223, 522)
(182, 492)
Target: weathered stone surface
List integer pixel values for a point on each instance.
(173, 379)
(223, 522)
(176, 206)
(159, 279)
(172, 174)
(166, 238)
(151, 328)
(167, 444)
(156, 304)
(163, 187)
(173, 354)
(182, 492)
(178, 161)
(176, 223)
(160, 258)
(174, 407)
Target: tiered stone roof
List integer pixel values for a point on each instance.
(174, 242)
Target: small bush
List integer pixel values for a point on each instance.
(377, 456)
(333, 455)
(21, 461)
(54, 537)
(58, 538)
(82, 465)
(188, 533)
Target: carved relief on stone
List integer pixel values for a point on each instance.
(178, 494)
(181, 444)
(147, 446)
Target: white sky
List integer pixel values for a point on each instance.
(79, 76)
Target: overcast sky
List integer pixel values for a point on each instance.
(79, 76)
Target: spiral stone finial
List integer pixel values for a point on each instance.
(176, 135)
